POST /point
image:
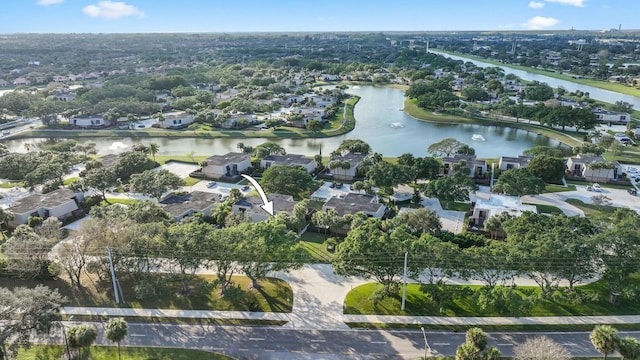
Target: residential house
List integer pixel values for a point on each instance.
(251, 206)
(63, 94)
(3, 82)
(228, 165)
(197, 202)
(611, 117)
(61, 203)
(289, 160)
(353, 203)
(354, 161)
(593, 168)
(175, 120)
(508, 162)
(496, 205)
(21, 81)
(477, 168)
(89, 122)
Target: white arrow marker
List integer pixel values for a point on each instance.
(268, 205)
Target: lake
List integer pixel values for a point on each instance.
(380, 122)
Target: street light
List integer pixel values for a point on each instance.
(426, 344)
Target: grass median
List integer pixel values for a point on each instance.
(463, 302)
(51, 352)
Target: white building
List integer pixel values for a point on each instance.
(60, 203)
(496, 205)
(289, 160)
(88, 122)
(228, 165)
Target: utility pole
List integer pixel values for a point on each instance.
(113, 276)
(404, 281)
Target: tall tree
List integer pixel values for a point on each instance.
(360, 253)
(153, 150)
(266, 247)
(25, 312)
(155, 183)
(629, 348)
(82, 336)
(268, 148)
(27, 253)
(101, 180)
(116, 330)
(518, 182)
(420, 221)
(547, 168)
(449, 188)
(445, 147)
(605, 339)
(289, 180)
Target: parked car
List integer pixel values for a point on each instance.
(211, 184)
(596, 187)
(589, 188)
(633, 192)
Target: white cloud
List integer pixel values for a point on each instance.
(48, 2)
(540, 22)
(536, 5)
(578, 3)
(112, 10)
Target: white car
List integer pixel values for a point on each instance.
(596, 187)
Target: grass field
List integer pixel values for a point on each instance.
(547, 209)
(591, 209)
(550, 188)
(54, 352)
(463, 303)
(274, 295)
(313, 247)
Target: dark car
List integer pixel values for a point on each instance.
(633, 192)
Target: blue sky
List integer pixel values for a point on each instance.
(107, 16)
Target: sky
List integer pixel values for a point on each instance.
(134, 16)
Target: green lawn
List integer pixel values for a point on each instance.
(190, 181)
(70, 180)
(274, 295)
(312, 248)
(454, 205)
(591, 209)
(55, 352)
(463, 304)
(547, 209)
(551, 188)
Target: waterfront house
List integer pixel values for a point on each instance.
(354, 161)
(508, 162)
(593, 168)
(61, 203)
(476, 167)
(88, 122)
(289, 160)
(251, 206)
(176, 120)
(611, 117)
(228, 165)
(484, 209)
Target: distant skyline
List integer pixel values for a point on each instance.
(131, 16)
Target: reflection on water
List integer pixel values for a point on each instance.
(375, 114)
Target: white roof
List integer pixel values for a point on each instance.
(497, 204)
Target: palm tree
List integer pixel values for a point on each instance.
(117, 329)
(605, 339)
(629, 348)
(153, 150)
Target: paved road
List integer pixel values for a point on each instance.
(260, 343)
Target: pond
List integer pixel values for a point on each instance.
(380, 122)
